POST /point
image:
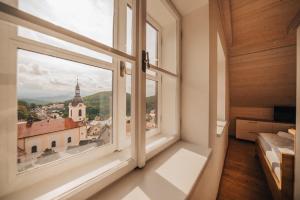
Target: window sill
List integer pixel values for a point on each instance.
(170, 175)
(221, 127)
(79, 181)
(158, 143)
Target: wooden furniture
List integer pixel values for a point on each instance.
(281, 189)
(247, 129)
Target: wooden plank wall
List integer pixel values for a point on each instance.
(262, 56)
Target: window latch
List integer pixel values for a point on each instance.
(145, 60)
(122, 69)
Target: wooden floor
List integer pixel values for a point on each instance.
(243, 177)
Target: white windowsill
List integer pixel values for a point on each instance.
(74, 181)
(159, 142)
(170, 175)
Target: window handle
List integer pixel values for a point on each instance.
(122, 68)
(145, 60)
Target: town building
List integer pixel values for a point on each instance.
(56, 134)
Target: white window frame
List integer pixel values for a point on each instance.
(157, 77)
(47, 170)
(139, 155)
(25, 176)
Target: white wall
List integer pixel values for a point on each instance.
(199, 93)
(195, 77)
(297, 141)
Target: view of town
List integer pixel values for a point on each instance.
(59, 116)
(55, 130)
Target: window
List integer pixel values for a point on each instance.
(53, 144)
(34, 149)
(151, 104)
(129, 29)
(97, 14)
(152, 43)
(75, 89)
(45, 88)
(128, 103)
(162, 82)
(153, 80)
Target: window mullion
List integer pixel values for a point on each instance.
(140, 83)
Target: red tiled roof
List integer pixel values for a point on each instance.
(45, 126)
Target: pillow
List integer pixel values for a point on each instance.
(285, 135)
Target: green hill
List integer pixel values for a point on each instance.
(98, 104)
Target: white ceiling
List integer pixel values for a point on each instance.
(187, 6)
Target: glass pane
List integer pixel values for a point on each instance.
(128, 104)
(129, 31)
(167, 24)
(64, 108)
(151, 44)
(40, 37)
(151, 104)
(93, 18)
(150, 72)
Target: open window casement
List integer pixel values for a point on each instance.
(77, 99)
(162, 86)
(66, 107)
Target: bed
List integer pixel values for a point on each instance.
(276, 154)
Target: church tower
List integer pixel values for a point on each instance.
(77, 109)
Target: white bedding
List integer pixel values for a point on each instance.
(273, 146)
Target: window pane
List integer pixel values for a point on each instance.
(62, 101)
(93, 18)
(40, 37)
(129, 31)
(151, 44)
(128, 104)
(151, 104)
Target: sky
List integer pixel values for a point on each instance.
(92, 18)
(46, 76)
(42, 76)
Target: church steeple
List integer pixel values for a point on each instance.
(77, 98)
(77, 109)
(77, 89)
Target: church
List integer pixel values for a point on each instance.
(77, 109)
(56, 134)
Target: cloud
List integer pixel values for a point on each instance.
(36, 70)
(42, 75)
(31, 69)
(57, 82)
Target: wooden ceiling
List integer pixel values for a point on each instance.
(254, 25)
(262, 52)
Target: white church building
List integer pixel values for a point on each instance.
(56, 134)
(77, 109)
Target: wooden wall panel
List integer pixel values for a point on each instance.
(265, 78)
(262, 24)
(262, 61)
